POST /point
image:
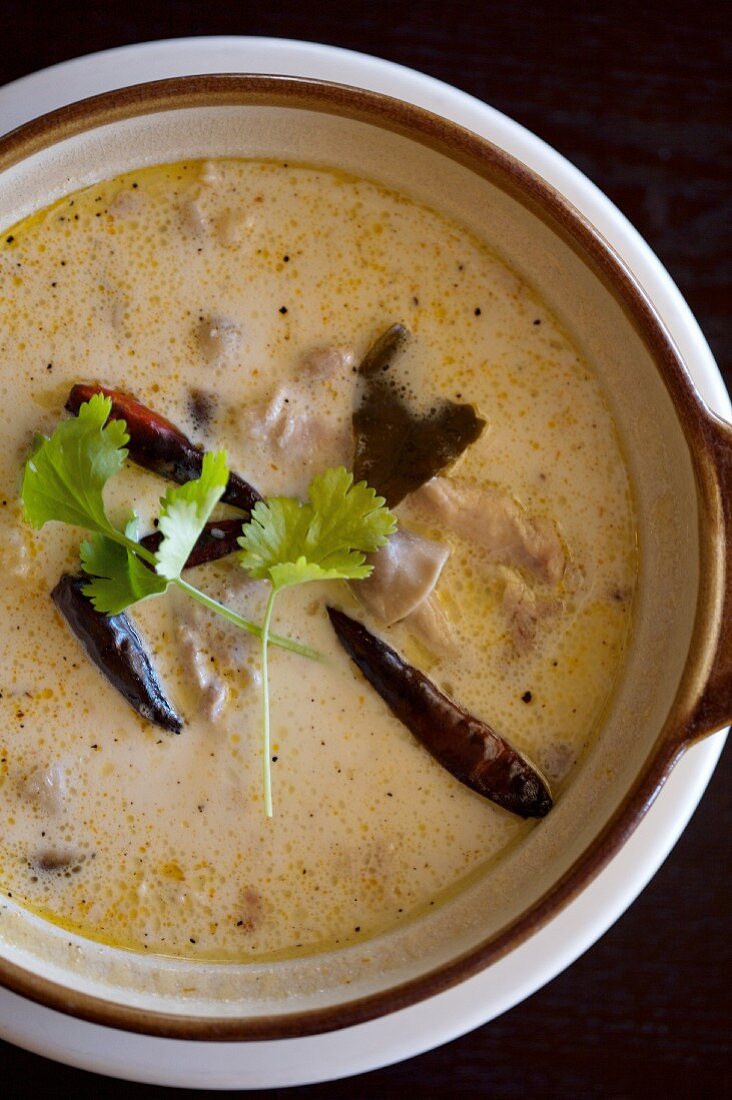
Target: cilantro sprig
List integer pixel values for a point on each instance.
(63, 481)
(289, 543)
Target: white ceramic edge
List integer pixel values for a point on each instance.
(482, 998)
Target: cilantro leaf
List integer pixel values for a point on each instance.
(345, 515)
(65, 473)
(286, 574)
(327, 538)
(185, 510)
(120, 577)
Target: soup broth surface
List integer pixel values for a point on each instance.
(237, 298)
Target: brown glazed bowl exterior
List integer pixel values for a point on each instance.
(703, 701)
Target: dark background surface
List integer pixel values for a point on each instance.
(637, 96)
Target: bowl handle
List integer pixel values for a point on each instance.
(714, 709)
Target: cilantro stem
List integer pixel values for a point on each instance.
(266, 743)
(244, 624)
(214, 605)
(131, 545)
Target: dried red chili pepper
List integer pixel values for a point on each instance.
(159, 446)
(218, 538)
(116, 649)
(469, 749)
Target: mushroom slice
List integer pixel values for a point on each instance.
(218, 338)
(432, 627)
(53, 858)
(47, 788)
(325, 363)
(405, 572)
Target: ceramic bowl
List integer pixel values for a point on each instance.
(676, 684)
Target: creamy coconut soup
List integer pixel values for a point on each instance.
(237, 299)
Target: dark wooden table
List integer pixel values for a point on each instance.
(635, 94)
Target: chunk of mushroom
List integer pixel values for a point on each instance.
(47, 788)
(214, 691)
(192, 218)
(325, 364)
(231, 226)
(405, 572)
(210, 173)
(283, 422)
(54, 858)
(218, 338)
(431, 625)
